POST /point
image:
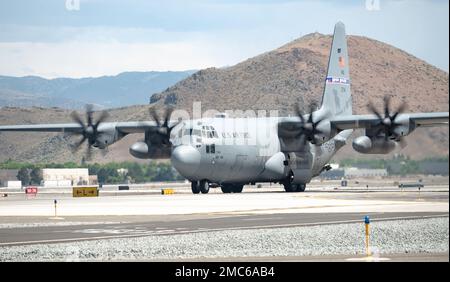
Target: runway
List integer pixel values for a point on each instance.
(255, 201)
(31, 222)
(136, 226)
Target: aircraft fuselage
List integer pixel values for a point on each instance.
(244, 150)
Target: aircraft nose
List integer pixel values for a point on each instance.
(186, 160)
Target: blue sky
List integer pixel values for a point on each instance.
(54, 38)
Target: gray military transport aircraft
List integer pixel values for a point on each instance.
(230, 152)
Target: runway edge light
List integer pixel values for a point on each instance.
(55, 202)
(367, 225)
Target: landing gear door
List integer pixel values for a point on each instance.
(238, 166)
(301, 165)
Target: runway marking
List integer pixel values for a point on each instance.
(211, 230)
(390, 203)
(259, 219)
(165, 230)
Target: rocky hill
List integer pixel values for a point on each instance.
(278, 79)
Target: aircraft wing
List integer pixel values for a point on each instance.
(68, 127)
(413, 120)
(137, 126)
(122, 127)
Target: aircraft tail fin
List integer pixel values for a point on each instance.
(337, 98)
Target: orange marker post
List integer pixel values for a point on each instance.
(367, 224)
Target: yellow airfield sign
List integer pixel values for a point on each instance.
(85, 192)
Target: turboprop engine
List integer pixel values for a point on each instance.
(141, 150)
(373, 145)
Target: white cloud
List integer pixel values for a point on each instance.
(81, 59)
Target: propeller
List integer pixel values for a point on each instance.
(309, 128)
(388, 122)
(163, 129)
(89, 131)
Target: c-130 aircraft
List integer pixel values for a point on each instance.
(231, 152)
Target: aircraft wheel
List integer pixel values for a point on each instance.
(195, 187)
(289, 187)
(226, 188)
(204, 187)
(301, 187)
(237, 188)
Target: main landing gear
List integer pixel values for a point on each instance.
(200, 186)
(232, 188)
(290, 187)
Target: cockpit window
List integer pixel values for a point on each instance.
(192, 132)
(209, 132)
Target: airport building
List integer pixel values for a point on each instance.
(8, 176)
(58, 177)
(353, 172)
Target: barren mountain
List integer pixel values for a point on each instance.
(278, 79)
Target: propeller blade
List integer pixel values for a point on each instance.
(387, 124)
(387, 101)
(372, 109)
(77, 145)
(89, 153)
(167, 116)
(75, 117)
(155, 116)
(89, 114)
(402, 143)
(89, 132)
(302, 139)
(105, 151)
(400, 110)
(299, 113)
(311, 111)
(103, 116)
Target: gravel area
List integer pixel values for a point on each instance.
(395, 237)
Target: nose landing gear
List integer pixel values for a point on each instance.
(195, 187)
(291, 187)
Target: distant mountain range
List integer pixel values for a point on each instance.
(124, 89)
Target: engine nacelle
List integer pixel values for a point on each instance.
(105, 139)
(325, 132)
(374, 145)
(141, 150)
